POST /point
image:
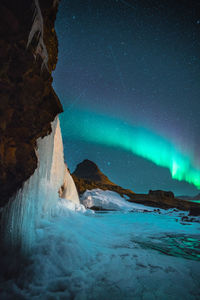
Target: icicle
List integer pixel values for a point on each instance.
(68, 190)
(38, 27)
(40, 193)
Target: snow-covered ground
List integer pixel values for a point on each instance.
(109, 200)
(84, 255)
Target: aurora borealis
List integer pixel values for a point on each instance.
(111, 132)
(128, 77)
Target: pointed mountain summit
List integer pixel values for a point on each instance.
(88, 176)
(88, 170)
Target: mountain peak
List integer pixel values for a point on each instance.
(87, 169)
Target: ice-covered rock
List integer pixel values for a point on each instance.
(68, 189)
(109, 200)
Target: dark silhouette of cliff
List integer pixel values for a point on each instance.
(28, 102)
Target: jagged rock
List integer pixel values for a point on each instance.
(28, 102)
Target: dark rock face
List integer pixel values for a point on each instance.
(28, 102)
(89, 170)
(88, 176)
(197, 197)
(161, 194)
(195, 211)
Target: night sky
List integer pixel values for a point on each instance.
(129, 71)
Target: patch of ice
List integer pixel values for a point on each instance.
(109, 200)
(110, 256)
(68, 190)
(65, 207)
(38, 198)
(126, 197)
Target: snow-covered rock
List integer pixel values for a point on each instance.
(109, 200)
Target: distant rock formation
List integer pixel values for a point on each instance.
(161, 194)
(88, 170)
(197, 197)
(28, 105)
(88, 176)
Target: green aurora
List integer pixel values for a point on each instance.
(100, 129)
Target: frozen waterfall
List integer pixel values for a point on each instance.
(39, 196)
(68, 190)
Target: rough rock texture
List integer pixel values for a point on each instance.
(161, 194)
(88, 170)
(28, 102)
(87, 176)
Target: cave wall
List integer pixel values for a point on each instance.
(28, 103)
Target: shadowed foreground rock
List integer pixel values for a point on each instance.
(28, 102)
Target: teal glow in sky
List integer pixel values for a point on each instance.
(137, 63)
(104, 130)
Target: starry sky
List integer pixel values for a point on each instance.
(130, 70)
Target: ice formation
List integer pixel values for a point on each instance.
(68, 189)
(115, 255)
(39, 196)
(109, 200)
(111, 132)
(38, 28)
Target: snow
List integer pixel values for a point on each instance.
(38, 28)
(73, 253)
(116, 255)
(126, 197)
(109, 200)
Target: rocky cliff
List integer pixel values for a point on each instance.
(28, 105)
